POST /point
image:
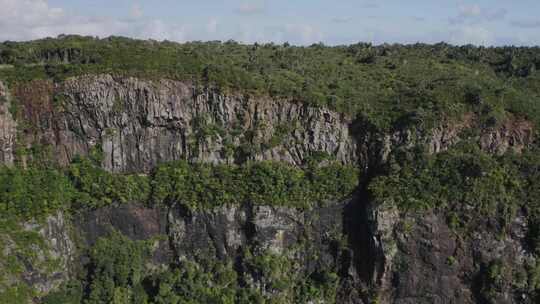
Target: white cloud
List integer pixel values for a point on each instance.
(302, 33)
(25, 19)
(212, 26)
(470, 10)
(251, 7)
(527, 24)
(472, 35)
(342, 19)
(473, 14)
(159, 30)
(298, 34)
(498, 14)
(369, 4)
(136, 11)
(33, 19)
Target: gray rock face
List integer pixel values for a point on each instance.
(423, 260)
(8, 128)
(512, 135)
(141, 123)
(224, 231)
(48, 256)
(217, 233)
(134, 221)
(61, 248)
(309, 238)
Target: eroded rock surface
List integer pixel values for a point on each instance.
(8, 128)
(381, 255)
(38, 253)
(140, 123)
(423, 260)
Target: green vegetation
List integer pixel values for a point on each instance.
(116, 270)
(19, 248)
(426, 182)
(118, 273)
(475, 191)
(190, 283)
(391, 85)
(493, 277)
(33, 192)
(200, 186)
(69, 293)
(97, 188)
(37, 192)
(462, 177)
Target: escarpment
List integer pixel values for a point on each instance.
(8, 127)
(359, 249)
(139, 124)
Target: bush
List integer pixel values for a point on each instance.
(462, 176)
(116, 270)
(33, 192)
(97, 187)
(200, 186)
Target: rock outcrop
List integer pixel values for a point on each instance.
(139, 124)
(38, 253)
(423, 260)
(8, 128)
(313, 239)
(380, 254)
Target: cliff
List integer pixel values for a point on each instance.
(356, 250)
(140, 123)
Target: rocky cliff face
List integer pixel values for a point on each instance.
(309, 241)
(380, 254)
(423, 260)
(401, 258)
(139, 124)
(8, 127)
(40, 254)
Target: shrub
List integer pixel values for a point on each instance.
(200, 186)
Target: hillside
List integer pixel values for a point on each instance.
(208, 172)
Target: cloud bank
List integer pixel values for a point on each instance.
(32, 19)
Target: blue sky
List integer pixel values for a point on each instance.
(480, 22)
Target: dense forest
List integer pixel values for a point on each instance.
(382, 89)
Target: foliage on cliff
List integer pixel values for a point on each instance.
(33, 192)
(19, 248)
(37, 192)
(463, 177)
(205, 186)
(118, 273)
(390, 84)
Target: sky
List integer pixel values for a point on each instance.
(299, 22)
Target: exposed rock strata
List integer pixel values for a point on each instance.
(40, 254)
(139, 124)
(8, 128)
(423, 260)
(380, 254)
